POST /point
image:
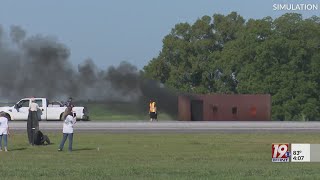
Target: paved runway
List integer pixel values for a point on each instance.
(178, 127)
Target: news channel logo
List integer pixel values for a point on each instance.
(280, 152)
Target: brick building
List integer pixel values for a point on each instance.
(224, 107)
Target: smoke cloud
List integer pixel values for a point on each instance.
(39, 66)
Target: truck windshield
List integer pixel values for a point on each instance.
(24, 103)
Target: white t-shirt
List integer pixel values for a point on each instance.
(68, 124)
(34, 106)
(3, 125)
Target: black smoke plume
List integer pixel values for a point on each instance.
(39, 66)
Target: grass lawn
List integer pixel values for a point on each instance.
(121, 111)
(156, 156)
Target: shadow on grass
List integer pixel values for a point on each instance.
(17, 149)
(43, 144)
(83, 149)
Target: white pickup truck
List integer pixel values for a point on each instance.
(49, 111)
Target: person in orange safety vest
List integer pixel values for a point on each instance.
(153, 110)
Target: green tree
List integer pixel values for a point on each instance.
(226, 54)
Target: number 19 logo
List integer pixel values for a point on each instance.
(280, 152)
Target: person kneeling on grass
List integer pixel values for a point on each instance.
(69, 121)
(41, 139)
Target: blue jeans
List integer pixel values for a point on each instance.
(64, 138)
(5, 140)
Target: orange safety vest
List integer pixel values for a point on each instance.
(152, 107)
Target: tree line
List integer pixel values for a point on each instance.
(228, 54)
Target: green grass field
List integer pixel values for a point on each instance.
(156, 156)
(121, 111)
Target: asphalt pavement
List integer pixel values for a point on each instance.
(177, 126)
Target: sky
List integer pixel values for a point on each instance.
(111, 31)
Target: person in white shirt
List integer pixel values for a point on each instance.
(33, 106)
(69, 121)
(33, 121)
(4, 131)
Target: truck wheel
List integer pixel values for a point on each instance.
(85, 118)
(8, 116)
